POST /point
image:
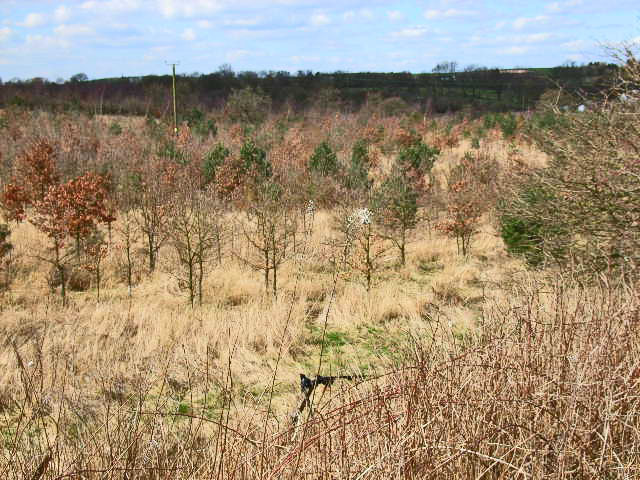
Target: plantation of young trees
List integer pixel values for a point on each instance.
(457, 293)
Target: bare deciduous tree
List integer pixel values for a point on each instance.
(269, 226)
(195, 227)
(153, 191)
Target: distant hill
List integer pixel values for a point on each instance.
(445, 90)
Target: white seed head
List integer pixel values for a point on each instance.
(364, 216)
(311, 207)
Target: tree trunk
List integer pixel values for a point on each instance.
(200, 277)
(60, 267)
(129, 266)
(98, 278)
(267, 267)
(191, 282)
(78, 246)
(219, 247)
(369, 266)
(152, 253)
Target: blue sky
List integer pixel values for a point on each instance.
(107, 38)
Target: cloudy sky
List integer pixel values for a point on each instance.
(107, 38)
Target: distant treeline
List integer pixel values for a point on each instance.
(444, 90)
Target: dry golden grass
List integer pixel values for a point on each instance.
(156, 326)
(237, 312)
(466, 367)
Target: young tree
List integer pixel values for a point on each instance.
(127, 227)
(95, 252)
(463, 213)
(360, 245)
(398, 209)
(324, 161)
(402, 193)
(36, 173)
(357, 174)
(269, 227)
(89, 207)
(50, 217)
(471, 186)
(153, 192)
(194, 234)
(59, 210)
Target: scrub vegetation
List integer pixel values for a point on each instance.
(475, 276)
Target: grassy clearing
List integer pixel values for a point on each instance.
(465, 367)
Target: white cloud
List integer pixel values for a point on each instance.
(348, 15)
(305, 58)
(520, 23)
(188, 8)
(320, 19)
(235, 55)
(4, 33)
(42, 42)
(561, 6)
(189, 35)
(395, 15)
(412, 32)
(33, 20)
(366, 13)
(574, 45)
(204, 24)
(243, 22)
(73, 30)
(536, 37)
(515, 50)
(450, 13)
(111, 6)
(61, 14)
(363, 13)
(497, 40)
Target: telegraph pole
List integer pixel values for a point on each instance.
(175, 110)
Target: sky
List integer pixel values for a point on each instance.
(111, 38)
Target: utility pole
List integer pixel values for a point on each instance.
(175, 110)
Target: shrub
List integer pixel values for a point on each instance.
(212, 161)
(589, 213)
(78, 279)
(418, 156)
(115, 128)
(198, 122)
(255, 159)
(248, 106)
(523, 234)
(324, 160)
(170, 150)
(393, 106)
(357, 175)
(508, 124)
